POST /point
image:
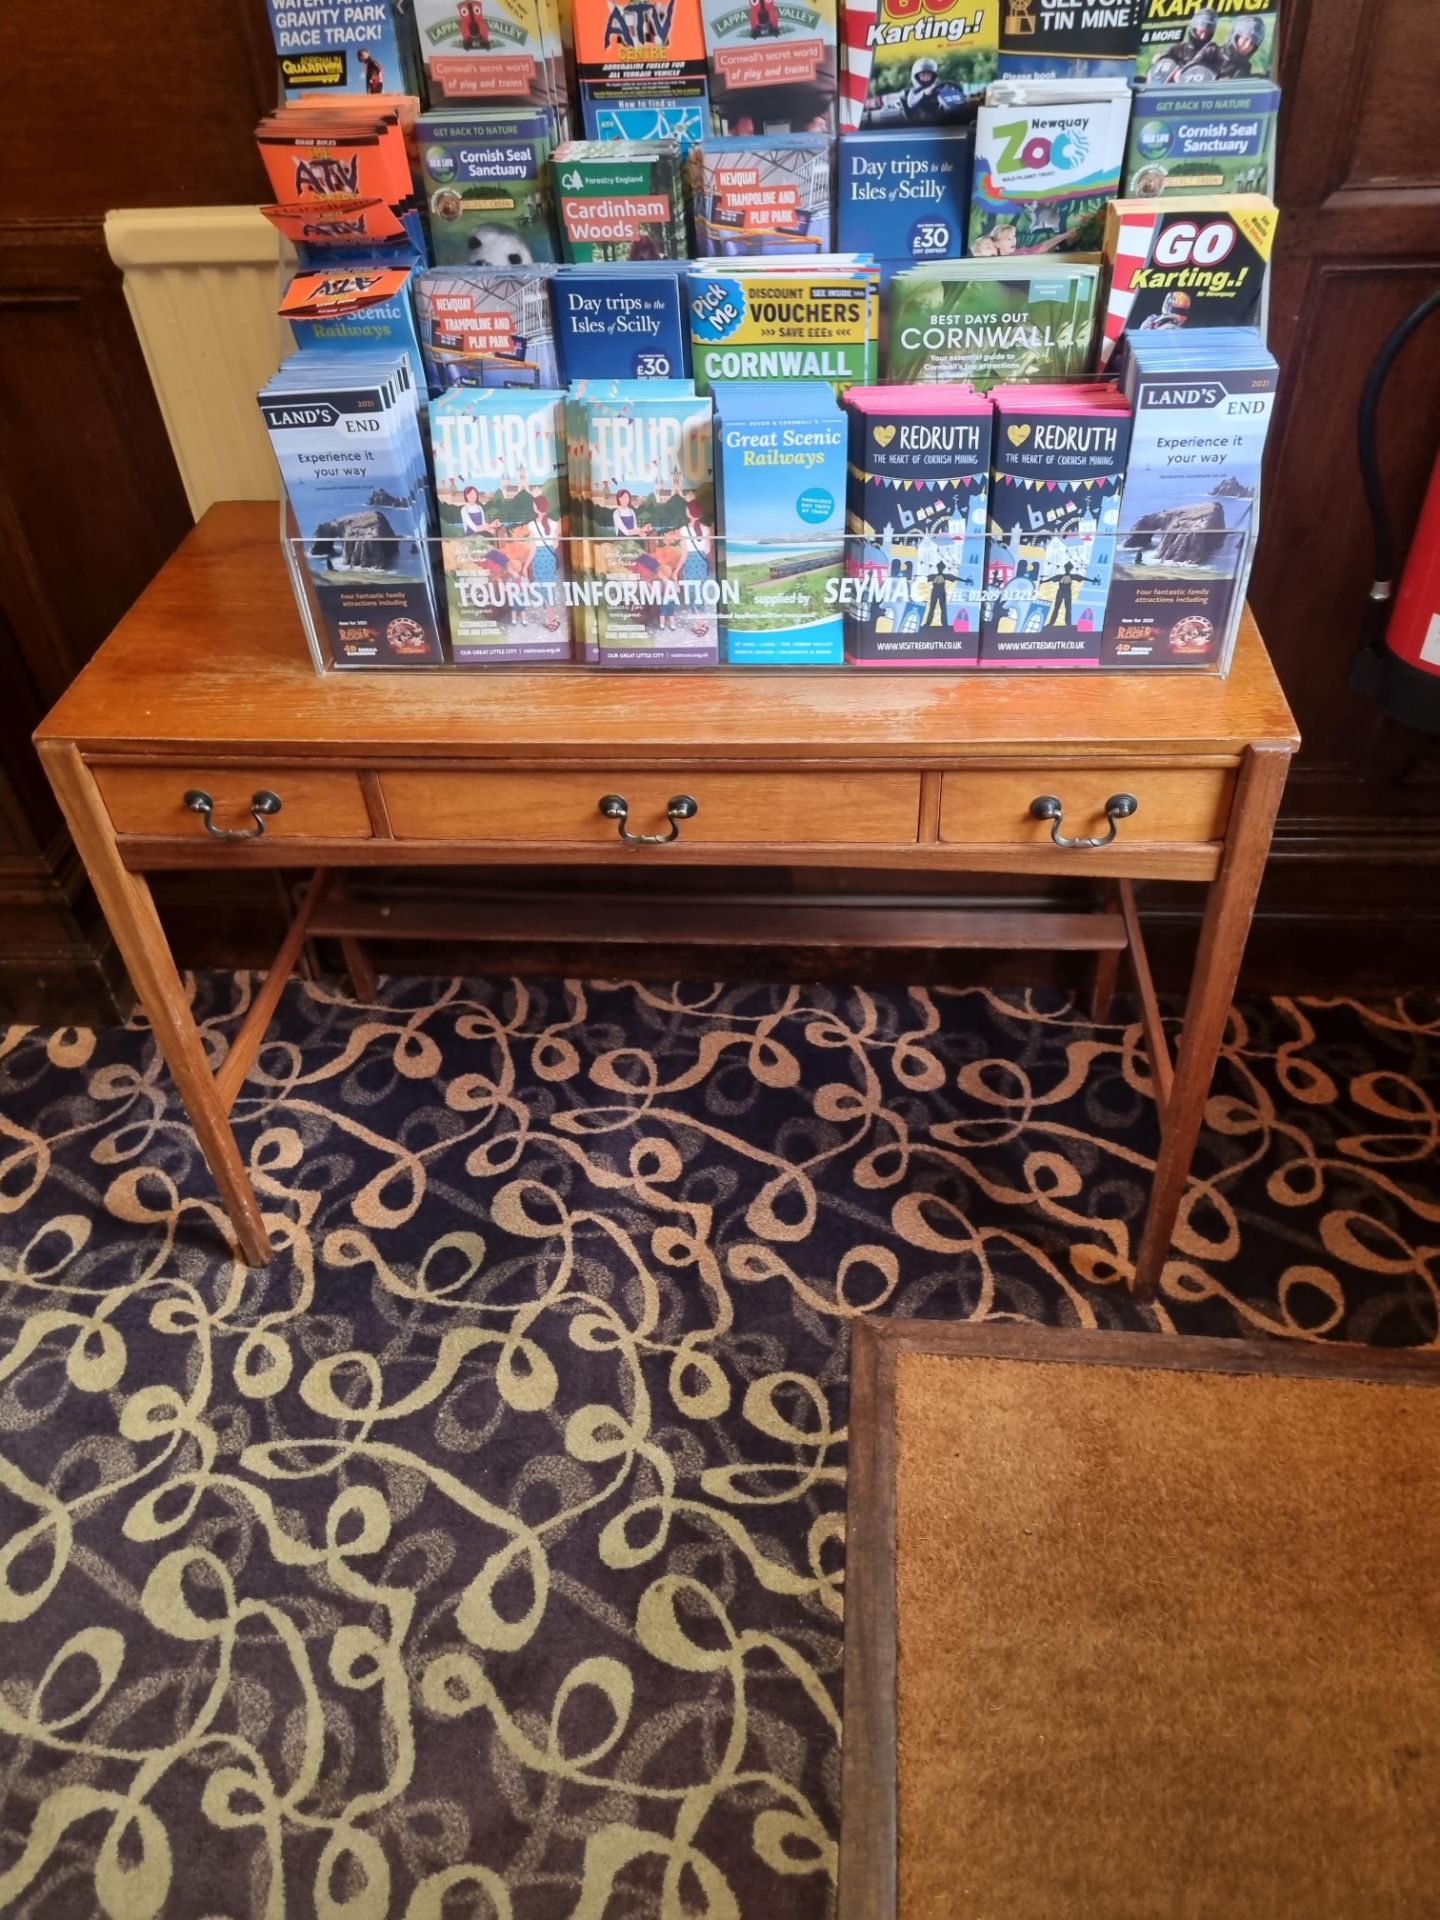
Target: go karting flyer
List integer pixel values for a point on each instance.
(930, 62)
(1189, 43)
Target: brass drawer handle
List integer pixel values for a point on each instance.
(1120, 806)
(615, 807)
(261, 804)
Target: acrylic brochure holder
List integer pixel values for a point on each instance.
(519, 596)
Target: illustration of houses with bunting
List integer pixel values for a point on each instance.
(919, 471)
(1059, 468)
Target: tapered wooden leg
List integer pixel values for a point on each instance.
(1217, 966)
(307, 964)
(129, 908)
(1102, 974)
(246, 1045)
(353, 953)
(357, 965)
(1162, 1069)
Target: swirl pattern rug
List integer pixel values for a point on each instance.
(483, 1559)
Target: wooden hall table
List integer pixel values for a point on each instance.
(203, 706)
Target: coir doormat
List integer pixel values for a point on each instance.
(1139, 1627)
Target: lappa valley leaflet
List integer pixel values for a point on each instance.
(772, 65)
(494, 52)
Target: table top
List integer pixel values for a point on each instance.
(213, 657)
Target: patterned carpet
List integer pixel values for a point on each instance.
(484, 1557)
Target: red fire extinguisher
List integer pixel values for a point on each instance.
(1398, 660)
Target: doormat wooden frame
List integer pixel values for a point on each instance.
(868, 1778)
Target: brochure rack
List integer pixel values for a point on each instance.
(655, 602)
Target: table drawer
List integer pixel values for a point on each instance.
(313, 806)
(756, 809)
(1177, 805)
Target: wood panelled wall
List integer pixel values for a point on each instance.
(160, 112)
(92, 502)
(1357, 875)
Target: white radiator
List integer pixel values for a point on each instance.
(203, 284)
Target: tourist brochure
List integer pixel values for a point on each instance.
(765, 196)
(919, 475)
(903, 197)
(345, 429)
(983, 321)
(623, 320)
(780, 449)
(1218, 139)
(620, 199)
(644, 505)
(1069, 40)
(640, 70)
(1202, 407)
(355, 310)
(925, 66)
(1048, 156)
(487, 186)
(1184, 265)
(1054, 508)
(344, 46)
(483, 327)
(1205, 43)
(772, 65)
(499, 458)
(782, 320)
